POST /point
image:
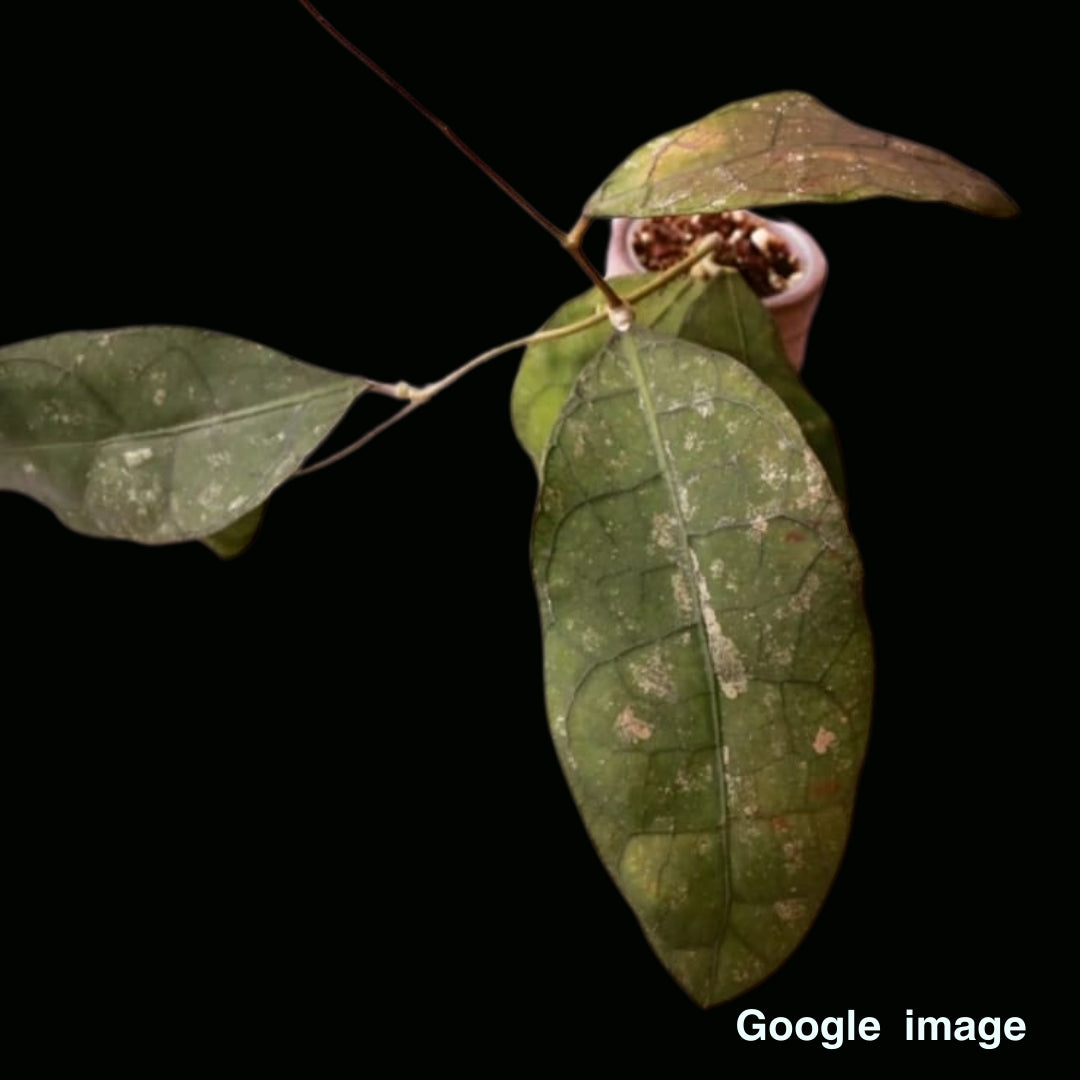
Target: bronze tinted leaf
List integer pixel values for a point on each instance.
(785, 148)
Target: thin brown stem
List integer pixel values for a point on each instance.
(611, 297)
(577, 233)
(572, 243)
(620, 314)
(425, 112)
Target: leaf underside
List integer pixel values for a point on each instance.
(785, 148)
(159, 433)
(236, 538)
(708, 661)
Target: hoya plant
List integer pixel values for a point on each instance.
(707, 662)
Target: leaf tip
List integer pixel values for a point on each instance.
(235, 539)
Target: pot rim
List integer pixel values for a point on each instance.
(621, 257)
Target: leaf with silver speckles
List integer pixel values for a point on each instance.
(158, 433)
(708, 666)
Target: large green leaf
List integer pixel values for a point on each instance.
(723, 314)
(708, 662)
(785, 148)
(158, 433)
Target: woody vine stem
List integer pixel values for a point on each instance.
(620, 314)
(618, 309)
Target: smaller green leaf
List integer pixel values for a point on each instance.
(729, 318)
(159, 433)
(236, 538)
(785, 148)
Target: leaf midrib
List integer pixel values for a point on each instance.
(218, 419)
(688, 561)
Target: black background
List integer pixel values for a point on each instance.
(309, 796)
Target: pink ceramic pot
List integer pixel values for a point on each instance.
(792, 310)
